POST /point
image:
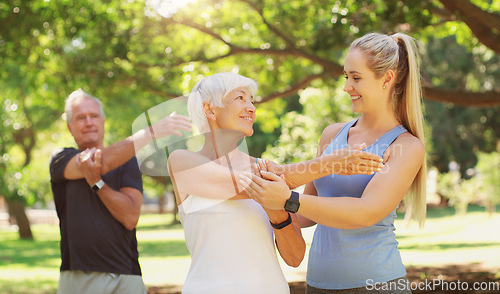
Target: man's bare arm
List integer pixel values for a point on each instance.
(122, 151)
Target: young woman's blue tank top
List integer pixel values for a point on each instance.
(344, 259)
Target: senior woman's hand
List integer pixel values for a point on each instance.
(353, 161)
(270, 191)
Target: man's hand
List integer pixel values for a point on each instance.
(171, 125)
(89, 163)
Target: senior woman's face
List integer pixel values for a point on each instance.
(238, 112)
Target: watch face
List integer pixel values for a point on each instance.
(97, 186)
(292, 206)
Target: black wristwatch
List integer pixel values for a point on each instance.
(97, 186)
(292, 204)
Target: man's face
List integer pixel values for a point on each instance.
(87, 124)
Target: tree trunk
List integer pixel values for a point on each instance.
(461, 208)
(174, 212)
(443, 201)
(161, 203)
(490, 207)
(17, 210)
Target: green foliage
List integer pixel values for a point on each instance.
(155, 187)
(459, 132)
(488, 167)
(448, 184)
(482, 186)
(461, 192)
(49, 49)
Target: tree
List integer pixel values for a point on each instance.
(489, 173)
(305, 40)
(480, 16)
(47, 50)
(289, 45)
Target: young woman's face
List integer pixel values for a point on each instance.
(238, 112)
(361, 84)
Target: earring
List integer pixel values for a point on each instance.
(383, 87)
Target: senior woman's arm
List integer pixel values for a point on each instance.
(347, 161)
(288, 236)
(289, 240)
(194, 174)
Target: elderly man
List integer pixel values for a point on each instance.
(98, 197)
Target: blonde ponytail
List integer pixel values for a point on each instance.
(408, 109)
(398, 52)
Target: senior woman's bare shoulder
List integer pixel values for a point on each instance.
(183, 159)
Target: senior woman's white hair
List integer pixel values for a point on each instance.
(212, 89)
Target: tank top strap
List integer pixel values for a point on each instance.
(344, 132)
(383, 142)
(391, 135)
(340, 140)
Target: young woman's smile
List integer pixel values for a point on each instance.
(361, 83)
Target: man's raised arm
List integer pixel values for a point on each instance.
(122, 151)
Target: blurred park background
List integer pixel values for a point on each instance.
(134, 55)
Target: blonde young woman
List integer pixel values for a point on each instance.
(354, 248)
(230, 237)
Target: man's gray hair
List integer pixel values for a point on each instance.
(76, 96)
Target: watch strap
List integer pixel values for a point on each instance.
(282, 224)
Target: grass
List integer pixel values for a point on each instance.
(32, 266)
(450, 239)
(27, 266)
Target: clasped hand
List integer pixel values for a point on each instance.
(89, 163)
(270, 191)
